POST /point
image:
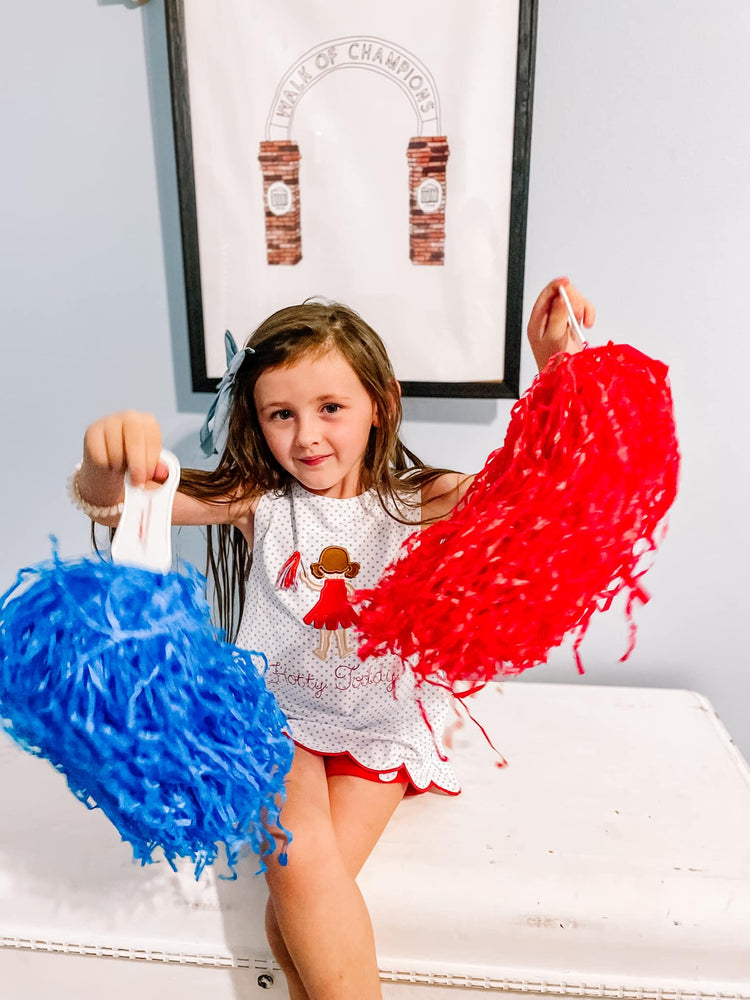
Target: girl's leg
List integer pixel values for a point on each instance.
(278, 946)
(318, 923)
(360, 811)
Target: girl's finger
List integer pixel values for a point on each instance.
(155, 469)
(113, 446)
(583, 309)
(540, 312)
(557, 323)
(134, 450)
(93, 444)
(141, 446)
(161, 472)
(589, 313)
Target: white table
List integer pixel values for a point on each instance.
(610, 858)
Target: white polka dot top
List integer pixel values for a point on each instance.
(310, 554)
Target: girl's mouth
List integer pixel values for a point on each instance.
(314, 460)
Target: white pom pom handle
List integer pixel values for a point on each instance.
(573, 319)
(143, 537)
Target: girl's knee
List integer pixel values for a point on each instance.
(311, 850)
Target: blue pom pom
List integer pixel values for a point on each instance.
(116, 675)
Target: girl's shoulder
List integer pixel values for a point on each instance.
(441, 494)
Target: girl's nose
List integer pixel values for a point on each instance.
(308, 432)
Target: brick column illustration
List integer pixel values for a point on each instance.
(428, 157)
(279, 161)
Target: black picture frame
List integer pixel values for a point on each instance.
(508, 386)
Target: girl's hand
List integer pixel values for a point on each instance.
(127, 441)
(549, 330)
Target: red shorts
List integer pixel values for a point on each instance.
(344, 763)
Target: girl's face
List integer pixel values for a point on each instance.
(316, 417)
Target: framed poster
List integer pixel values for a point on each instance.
(376, 155)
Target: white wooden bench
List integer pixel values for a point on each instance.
(611, 858)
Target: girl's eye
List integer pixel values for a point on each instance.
(332, 407)
(281, 415)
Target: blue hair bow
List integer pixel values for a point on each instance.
(213, 433)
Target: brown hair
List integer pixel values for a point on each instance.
(247, 469)
(334, 559)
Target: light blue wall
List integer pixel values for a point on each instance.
(640, 190)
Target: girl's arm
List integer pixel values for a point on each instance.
(549, 333)
(440, 496)
(131, 441)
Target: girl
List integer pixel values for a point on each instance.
(315, 482)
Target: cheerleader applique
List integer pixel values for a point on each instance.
(333, 611)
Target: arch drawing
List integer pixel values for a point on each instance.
(427, 152)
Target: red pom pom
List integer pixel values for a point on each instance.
(552, 529)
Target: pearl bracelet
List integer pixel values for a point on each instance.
(95, 513)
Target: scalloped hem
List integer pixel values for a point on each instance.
(412, 787)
